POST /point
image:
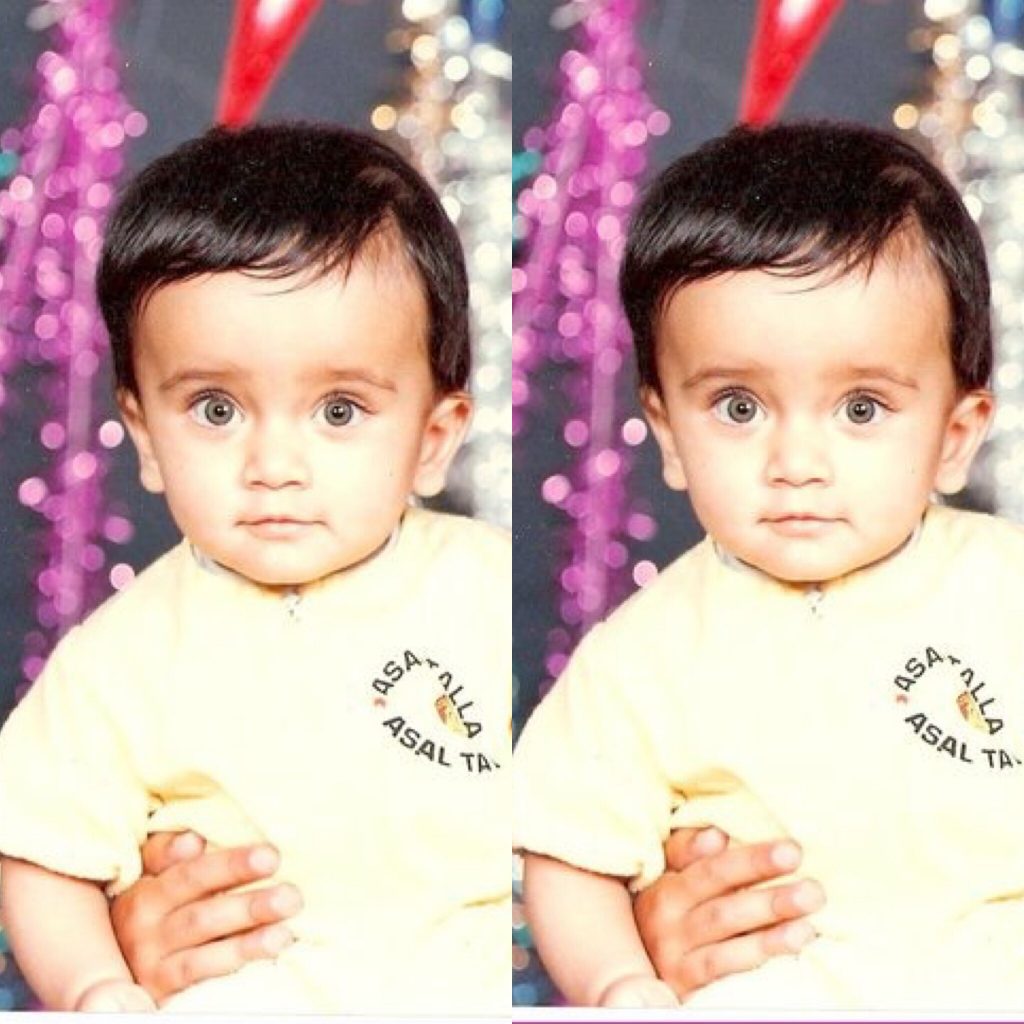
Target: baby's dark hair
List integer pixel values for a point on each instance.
(281, 199)
(802, 199)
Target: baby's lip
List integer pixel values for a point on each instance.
(800, 524)
(255, 520)
(278, 527)
(810, 517)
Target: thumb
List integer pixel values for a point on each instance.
(658, 994)
(163, 850)
(116, 997)
(633, 992)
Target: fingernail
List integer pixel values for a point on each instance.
(786, 856)
(276, 939)
(185, 843)
(711, 840)
(797, 935)
(808, 897)
(263, 859)
(286, 901)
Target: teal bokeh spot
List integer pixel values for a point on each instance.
(524, 994)
(524, 164)
(8, 164)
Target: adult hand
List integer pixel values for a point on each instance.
(702, 920)
(181, 922)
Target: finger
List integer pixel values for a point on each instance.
(685, 846)
(230, 914)
(738, 868)
(216, 959)
(744, 953)
(216, 872)
(750, 910)
(164, 849)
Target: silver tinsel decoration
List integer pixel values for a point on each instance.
(973, 126)
(454, 124)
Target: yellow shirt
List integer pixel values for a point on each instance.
(878, 721)
(362, 727)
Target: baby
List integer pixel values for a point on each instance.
(318, 665)
(837, 660)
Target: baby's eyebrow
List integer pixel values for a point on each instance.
(340, 375)
(886, 373)
(193, 376)
(724, 373)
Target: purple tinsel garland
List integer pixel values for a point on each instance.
(566, 309)
(51, 219)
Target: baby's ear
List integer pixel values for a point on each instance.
(966, 428)
(135, 420)
(443, 433)
(671, 464)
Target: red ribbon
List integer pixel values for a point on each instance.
(263, 36)
(785, 36)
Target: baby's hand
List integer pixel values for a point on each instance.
(115, 996)
(637, 990)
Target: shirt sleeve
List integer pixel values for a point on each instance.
(588, 786)
(70, 797)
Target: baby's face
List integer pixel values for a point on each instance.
(288, 421)
(809, 419)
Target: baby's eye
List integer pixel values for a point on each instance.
(737, 407)
(339, 411)
(863, 409)
(213, 410)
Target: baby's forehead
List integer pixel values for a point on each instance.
(372, 311)
(386, 270)
(904, 258)
(896, 308)
(389, 261)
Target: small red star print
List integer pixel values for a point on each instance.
(379, 702)
(901, 698)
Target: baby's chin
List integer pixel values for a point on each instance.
(814, 572)
(288, 573)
